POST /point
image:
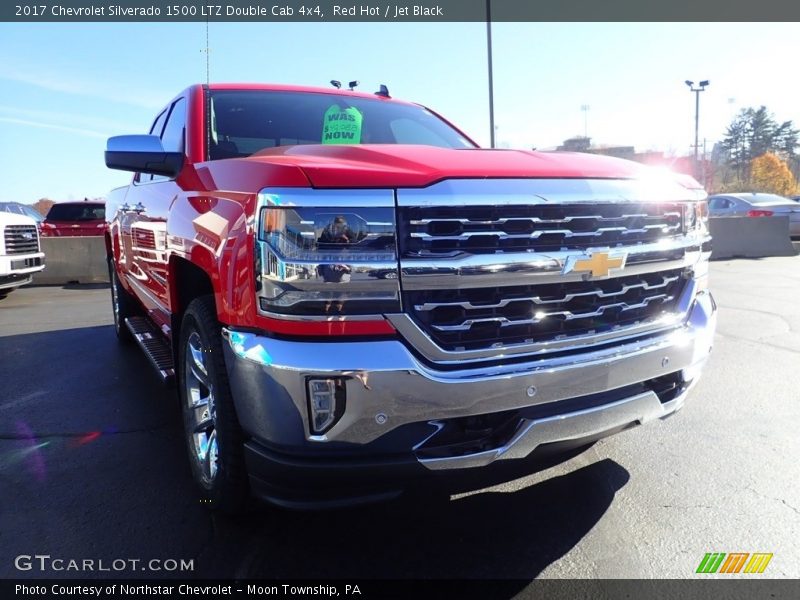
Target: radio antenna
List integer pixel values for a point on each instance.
(208, 59)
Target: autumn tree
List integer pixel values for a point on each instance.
(768, 173)
(753, 133)
(43, 205)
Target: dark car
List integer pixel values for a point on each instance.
(75, 219)
(17, 208)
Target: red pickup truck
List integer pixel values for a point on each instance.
(352, 297)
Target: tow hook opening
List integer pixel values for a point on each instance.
(668, 387)
(462, 436)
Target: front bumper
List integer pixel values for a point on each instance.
(18, 269)
(396, 403)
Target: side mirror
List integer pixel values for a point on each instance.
(142, 154)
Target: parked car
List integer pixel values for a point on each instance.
(20, 254)
(756, 205)
(85, 218)
(17, 208)
(353, 298)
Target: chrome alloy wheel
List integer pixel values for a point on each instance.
(201, 409)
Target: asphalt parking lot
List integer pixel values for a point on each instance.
(92, 466)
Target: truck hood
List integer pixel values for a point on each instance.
(14, 219)
(395, 165)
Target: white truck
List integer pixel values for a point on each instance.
(20, 251)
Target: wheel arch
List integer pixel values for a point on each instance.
(187, 282)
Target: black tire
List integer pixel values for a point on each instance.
(208, 411)
(122, 305)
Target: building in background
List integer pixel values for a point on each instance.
(679, 164)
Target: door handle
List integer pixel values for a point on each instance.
(137, 208)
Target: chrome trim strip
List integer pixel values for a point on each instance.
(567, 233)
(568, 315)
(538, 300)
(425, 345)
(569, 219)
(498, 192)
(421, 342)
(522, 268)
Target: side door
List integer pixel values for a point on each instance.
(147, 209)
(123, 218)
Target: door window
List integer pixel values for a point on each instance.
(172, 138)
(155, 129)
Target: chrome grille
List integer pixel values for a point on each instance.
(494, 317)
(21, 239)
(441, 231)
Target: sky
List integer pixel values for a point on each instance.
(66, 87)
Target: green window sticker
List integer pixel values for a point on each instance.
(342, 125)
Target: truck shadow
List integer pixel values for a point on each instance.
(115, 476)
(486, 535)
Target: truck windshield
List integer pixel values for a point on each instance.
(246, 121)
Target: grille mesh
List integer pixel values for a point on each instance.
(21, 239)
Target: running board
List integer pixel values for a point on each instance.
(154, 346)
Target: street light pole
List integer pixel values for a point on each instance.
(585, 109)
(696, 91)
(491, 81)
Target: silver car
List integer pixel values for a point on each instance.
(756, 205)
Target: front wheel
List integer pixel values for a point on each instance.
(214, 439)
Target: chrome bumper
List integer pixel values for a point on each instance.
(388, 387)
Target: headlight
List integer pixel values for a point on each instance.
(695, 217)
(327, 253)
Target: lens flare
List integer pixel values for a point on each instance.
(87, 438)
(29, 453)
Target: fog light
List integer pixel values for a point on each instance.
(326, 399)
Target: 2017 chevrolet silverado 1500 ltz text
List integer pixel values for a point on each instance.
(353, 297)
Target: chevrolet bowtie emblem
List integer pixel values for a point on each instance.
(599, 264)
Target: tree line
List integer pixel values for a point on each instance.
(760, 154)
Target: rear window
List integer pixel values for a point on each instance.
(244, 122)
(765, 199)
(76, 212)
